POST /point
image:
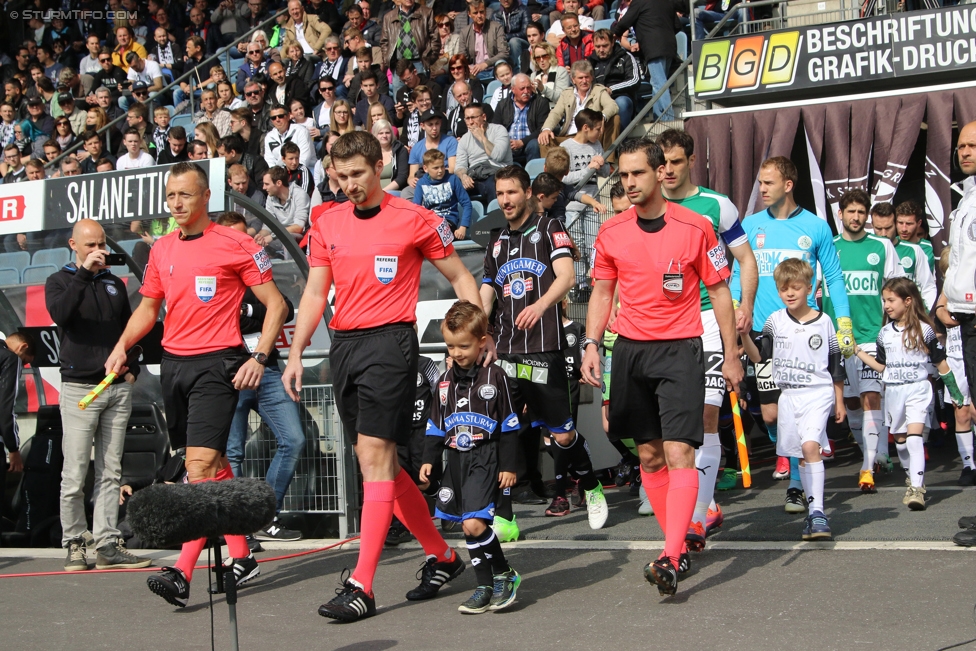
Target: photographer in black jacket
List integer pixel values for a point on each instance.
(91, 308)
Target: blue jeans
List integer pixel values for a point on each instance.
(517, 46)
(180, 96)
(702, 15)
(626, 106)
(658, 69)
(527, 153)
(281, 415)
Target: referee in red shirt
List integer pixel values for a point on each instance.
(202, 271)
(654, 254)
(373, 247)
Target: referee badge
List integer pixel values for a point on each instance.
(673, 285)
(385, 268)
(206, 287)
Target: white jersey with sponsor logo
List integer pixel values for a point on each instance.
(804, 355)
(904, 365)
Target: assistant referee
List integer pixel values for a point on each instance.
(372, 248)
(654, 254)
(201, 270)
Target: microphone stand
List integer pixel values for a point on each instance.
(227, 586)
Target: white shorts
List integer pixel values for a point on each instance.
(959, 370)
(803, 415)
(861, 378)
(714, 355)
(907, 403)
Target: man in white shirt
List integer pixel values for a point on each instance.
(135, 157)
(556, 34)
(282, 131)
(289, 205)
(144, 70)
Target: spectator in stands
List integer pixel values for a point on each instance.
(482, 151)
(299, 176)
(308, 30)
(142, 70)
(110, 77)
(15, 351)
(584, 94)
(106, 165)
(241, 125)
(618, 70)
(21, 63)
(370, 29)
(51, 67)
(14, 95)
(95, 149)
(234, 152)
(91, 309)
(711, 13)
(284, 131)
(256, 13)
(226, 98)
(69, 109)
(550, 79)
(12, 168)
(322, 113)
(135, 157)
(503, 75)
(161, 131)
(514, 18)
(396, 166)
(35, 170)
(593, 8)
(174, 32)
(70, 166)
(200, 26)
(435, 137)
(408, 34)
(450, 45)
(483, 41)
(38, 118)
(290, 206)
(418, 103)
(376, 113)
(577, 45)
(230, 21)
(443, 193)
(219, 117)
(296, 65)
(254, 63)
(370, 95)
(240, 181)
(296, 109)
(523, 114)
(411, 81)
(557, 33)
(51, 151)
(88, 65)
(198, 150)
(207, 133)
(333, 67)
(653, 21)
(126, 45)
(175, 149)
(353, 41)
(460, 70)
(167, 54)
(535, 33)
(462, 98)
(106, 98)
(260, 110)
(7, 119)
(137, 117)
(283, 89)
(191, 63)
(64, 135)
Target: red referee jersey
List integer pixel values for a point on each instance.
(657, 273)
(376, 261)
(203, 279)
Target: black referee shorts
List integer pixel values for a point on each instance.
(658, 390)
(374, 380)
(470, 485)
(539, 380)
(200, 397)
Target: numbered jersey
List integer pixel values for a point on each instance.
(904, 365)
(867, 263)
(803, 355)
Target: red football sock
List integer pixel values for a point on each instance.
(410, 508)
(656, 487)
(189, 556)
(236, 545)
(225, 474)
(376, 518)
(682, 494)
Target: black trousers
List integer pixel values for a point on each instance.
(967, 328)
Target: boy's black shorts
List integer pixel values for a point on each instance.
(374, 381)
(200, 397)
(658, 390)
(539, 380)
(469, 485)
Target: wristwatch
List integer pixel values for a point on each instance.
(261, 358)
(590, 340)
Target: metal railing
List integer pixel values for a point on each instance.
(186, 76)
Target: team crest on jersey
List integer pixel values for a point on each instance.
(445, 495)
(760, 240)
(420, 379)
(907, 262)
(464, 439)
(111, 289)
(445, 233)
(385, 268)
(442, 392)
(518, 287)
(804, 242)
(535, 237)
(262, 260)
(206, 288)
(815, 342)
(873, 258)
(561, 240)
(571, 340)
(486, 392)
(496, 249)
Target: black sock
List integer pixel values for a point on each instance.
(578, 459)
(560, 466)
(504, 507)
(492, 549)
(479, 561)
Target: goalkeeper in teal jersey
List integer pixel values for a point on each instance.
(784, 230)
(867, 261)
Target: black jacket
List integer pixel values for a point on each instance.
(91, 311)
(654, 23)
(619, 72)
(166, 156)
(538, 112)
(252, 318)
(9, 383)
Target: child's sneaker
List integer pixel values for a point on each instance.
(795, 503)
(866, 482)
(916, 499)
(506, 585)
(478, 602)
(818, 528)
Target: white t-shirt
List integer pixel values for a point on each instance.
(586, 24)
(804, 355)
(903, 366)
(126, 162)
(149, 72)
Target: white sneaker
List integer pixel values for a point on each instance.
(645, 507)
(596, 507)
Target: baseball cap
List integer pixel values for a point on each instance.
(65, 98)
(430, 114)
(35, 101)
(140, 85)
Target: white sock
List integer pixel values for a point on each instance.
(964, 441)
(707, 459)
(855, 418)
(916, 461)
(713, 506)
(815, 494)
(872, 425)
(805, 480)
(902, 451)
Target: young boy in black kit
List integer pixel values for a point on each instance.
(472, 416)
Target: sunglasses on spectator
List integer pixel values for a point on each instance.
(278, 116)
(542, 57)
(457, 67)
(105, 60)
(253, 93)
(327, 89)
(140, 92)
(254, 51)
(444, 24)
(331, 47)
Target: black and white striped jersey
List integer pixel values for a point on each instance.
(904, 366)
(518, 267)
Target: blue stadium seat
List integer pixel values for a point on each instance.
(682, 39)
(184, 120)
(477, 211)
(9, 276)
(603, 24)
(535, 167)
(492, 87)
(18, 260)
(394, 193)
(493, 206)
(58, 257)
(37, 274)
(129, 245)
